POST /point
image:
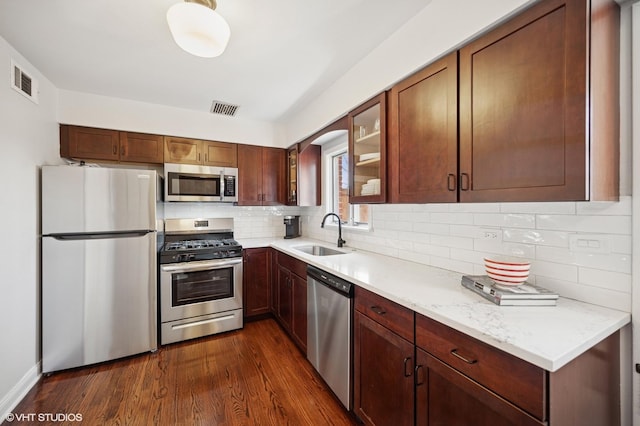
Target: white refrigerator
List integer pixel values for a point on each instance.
(99, 291)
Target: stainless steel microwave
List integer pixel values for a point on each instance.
(188, 182)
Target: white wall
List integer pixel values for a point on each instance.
(86, 109)
(439, 28)
(29, 138)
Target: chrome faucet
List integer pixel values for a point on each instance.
(340, 240)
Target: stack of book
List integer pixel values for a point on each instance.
(524, 294)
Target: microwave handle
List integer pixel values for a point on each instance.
(222, 183)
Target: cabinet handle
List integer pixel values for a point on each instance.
(455, 353)
(451, 182)
(206, 158)
(464, 181)
(378, 310)
(419, 377)
(115, 149)
(198, 156)
(410, 369)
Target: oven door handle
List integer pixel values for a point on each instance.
(201, 265)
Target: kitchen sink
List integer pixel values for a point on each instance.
(318, 250)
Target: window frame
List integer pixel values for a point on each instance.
(331, 193)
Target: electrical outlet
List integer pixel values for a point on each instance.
(491, 234)
(590, 243)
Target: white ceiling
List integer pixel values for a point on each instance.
(282, 53)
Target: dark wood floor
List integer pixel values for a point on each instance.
(254, 376)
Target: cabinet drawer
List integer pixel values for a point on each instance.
(516, 380)
(294, 265)
(395, 317)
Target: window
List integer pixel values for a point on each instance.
(354, 215)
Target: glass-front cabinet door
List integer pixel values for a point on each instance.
(367, 152)
(292, 173)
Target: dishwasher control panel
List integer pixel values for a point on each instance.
(330, 280)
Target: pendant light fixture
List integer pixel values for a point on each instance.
(197, 28)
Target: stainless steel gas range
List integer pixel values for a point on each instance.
(200, 279)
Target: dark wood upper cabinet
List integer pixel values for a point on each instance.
(141, 148)
(304, 168)
(292, 176)
(194, 151)
(273, 176)
(261, 176)
(423, 135)
(182, 150)
(368, 152)
(539, 113)
(304, 172)
(88, 143)
(221, 154)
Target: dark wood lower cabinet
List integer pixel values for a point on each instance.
(299, 311)
(256, 288)
(383, 374)
(283, 305)
(445, 397)
(290, 294)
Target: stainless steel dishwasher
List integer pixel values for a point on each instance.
(329, 319)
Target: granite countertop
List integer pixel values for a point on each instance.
(546, 336)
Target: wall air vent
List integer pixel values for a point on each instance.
(218, 107)
(23, 83)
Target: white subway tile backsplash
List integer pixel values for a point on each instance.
(452, 218)
(609, 262)
(539, 208)
(469, 231)
(536, 236)
(452, 241)
(394, 225)
(469, 256)
(489, 246)
(475, 207)
(555, 270)
(453, 236)
(578, 223)
(621, 244)
(432, 250)
(520, 250)
(452, 265)
(412, 256)
(433, 207)
(589, 294)
(431, 228)
(605, 279)
(508, 220)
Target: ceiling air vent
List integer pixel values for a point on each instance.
(23, 83)
(218, 107)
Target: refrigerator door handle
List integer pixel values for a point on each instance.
(100, 235)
